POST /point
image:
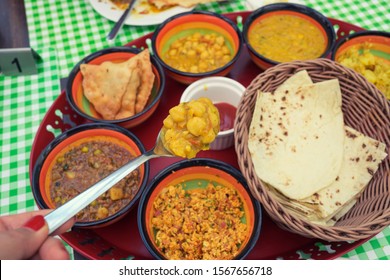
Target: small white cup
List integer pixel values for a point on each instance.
(218, 90)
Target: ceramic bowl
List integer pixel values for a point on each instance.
(377, 43)
(201, 22)
(226, 94)
(194, 176)
(81, 105)
(309, 17)
(55, 154)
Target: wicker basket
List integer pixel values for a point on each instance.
(366, 109)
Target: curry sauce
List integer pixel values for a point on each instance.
(285, 38)
(82, 166)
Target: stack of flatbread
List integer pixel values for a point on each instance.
(309, 160)
(119, 90)
(160, 4)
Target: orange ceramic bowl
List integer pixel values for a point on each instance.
(188, 23)
(194, 175)
(377, 43)
(75, 137)
(79, 103)
(308, 15)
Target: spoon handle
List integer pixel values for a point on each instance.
(118, 25)
(59, 216)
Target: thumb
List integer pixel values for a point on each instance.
(24, 242)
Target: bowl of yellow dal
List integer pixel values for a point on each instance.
(285, 32)
(368, 53)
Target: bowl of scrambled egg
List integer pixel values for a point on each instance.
(368, 53)
(199, 209)
(284, 32)
(197, 44)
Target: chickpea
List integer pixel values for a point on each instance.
(226, 58)
(214, 118)
(178, 113)
(176, 45)
(168, 122)
(197, 35)
(220, 41)
(191, 53)
(173, 52)
(202, 65)
(188, 45)
(218, 54)
(198, 108)
(200, 48)
(225, 50)
(217, 47)
(169, 135)
(204, 54)
(194, 69)
(196, 125)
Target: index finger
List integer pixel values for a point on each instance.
(18, 220)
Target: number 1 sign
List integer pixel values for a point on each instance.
(18, 62)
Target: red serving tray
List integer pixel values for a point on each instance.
(122, 240)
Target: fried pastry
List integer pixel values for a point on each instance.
(119, 90)
(104, 86)
(147, 80)
(130, 96)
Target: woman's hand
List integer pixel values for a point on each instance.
(25, 236)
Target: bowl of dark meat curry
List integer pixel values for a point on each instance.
(79, 158)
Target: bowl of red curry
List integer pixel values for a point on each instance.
(199, 209)
(82, 156)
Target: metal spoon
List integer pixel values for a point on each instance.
(59, 216)
(118, 25)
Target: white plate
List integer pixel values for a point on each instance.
(108, 10)
(255, 4)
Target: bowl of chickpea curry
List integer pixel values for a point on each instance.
(368, 53)
(82, 156)
(197, 44)
(199, 209)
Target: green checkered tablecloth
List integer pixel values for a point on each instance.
(63, 32)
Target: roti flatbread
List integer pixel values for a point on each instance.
(296, 137)
(362, 156)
